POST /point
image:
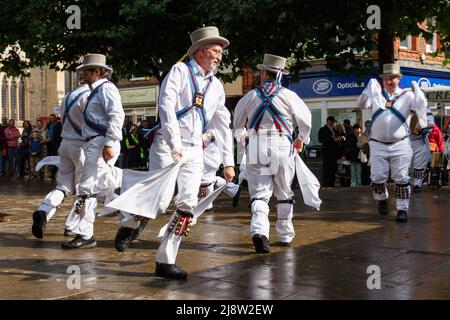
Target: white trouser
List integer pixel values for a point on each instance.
(264, 181)
(96, 177)
(188, 181)
(395, 157)
(419, 160)
(69, 170)
(209, 178)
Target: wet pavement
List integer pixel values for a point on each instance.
(328, 259)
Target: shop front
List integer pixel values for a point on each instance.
(327, 94)
(140, 103)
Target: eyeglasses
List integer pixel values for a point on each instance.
(215, 52)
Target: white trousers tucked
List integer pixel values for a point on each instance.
(69, 170)
(213, 182)
(395, 158)
(97, 176)
(188, 181)
(274, 178)
(420, 160)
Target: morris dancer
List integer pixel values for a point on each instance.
(270, 111)
(390, 148)
(102, 132)
(70, 164)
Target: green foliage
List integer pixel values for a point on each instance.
(146, 37)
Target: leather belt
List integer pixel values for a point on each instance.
(371, 139)
(93, 137)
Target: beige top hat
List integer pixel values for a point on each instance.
(273, 63)
(204, 36)
(391, 69)
(94, 60)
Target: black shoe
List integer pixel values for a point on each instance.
(39, 223)
(285, 244)
(79, 243)
(261, 243)
(383, 207)
(123, 238)
(402, 216)
(138, 231)
(170, 271)
(236, 198)
(210, 210)
(69, 233)
(416, 189)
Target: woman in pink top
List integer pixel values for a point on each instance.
(12, 135)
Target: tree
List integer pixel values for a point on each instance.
(144, 38)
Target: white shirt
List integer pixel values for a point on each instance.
(291, 107)
(387, 127)
(176, 94)
(75, 112)
(105, 109)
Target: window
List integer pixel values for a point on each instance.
(70, 81)
(431, 44)
(4, 106)
(13, 96)
(21, 100)
(406, 43)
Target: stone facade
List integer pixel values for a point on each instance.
(32, 97)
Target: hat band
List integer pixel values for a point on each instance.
(272, 67)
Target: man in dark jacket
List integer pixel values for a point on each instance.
(54, 131)
(330, 152)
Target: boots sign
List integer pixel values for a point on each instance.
(328, 86)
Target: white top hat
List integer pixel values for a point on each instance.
(94, 60)
(204, 36)
(391, 69)
(273, 64)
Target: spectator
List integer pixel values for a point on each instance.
(122, 159)
(54, 129)
(23, 147)
(343, 165)
(144, 142)
(347, 126)
(43, 135)
(352, 153)
(35, 150)
(363, 145)
(12, 135)
(436, 140)
(3, 149)
(329, 151)
(135, 154)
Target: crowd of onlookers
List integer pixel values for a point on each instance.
(22, 149)
(134, 146)
(346, 152)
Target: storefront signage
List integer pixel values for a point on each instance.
(139, 95)
(328, 86)
(320, 85)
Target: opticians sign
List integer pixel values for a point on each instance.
(328, 86)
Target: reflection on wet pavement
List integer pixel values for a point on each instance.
(328, 258)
